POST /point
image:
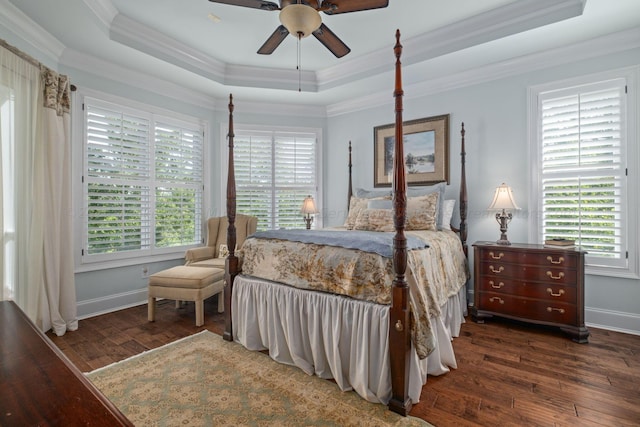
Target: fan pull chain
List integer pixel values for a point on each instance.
(298, 65)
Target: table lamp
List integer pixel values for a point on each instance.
(308, 209)
(503, 200)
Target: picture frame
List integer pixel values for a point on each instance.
(426, 150)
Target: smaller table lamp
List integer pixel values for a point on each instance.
(308, 209)
(502, 200)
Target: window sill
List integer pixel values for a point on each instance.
(106, 265)
(623, 273)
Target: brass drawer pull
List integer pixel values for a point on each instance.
(559, 261)
(500, 300)
(492, 255)
(558, 277)
(499, 270)
(494, 286)
(559, 310)
(559, 294)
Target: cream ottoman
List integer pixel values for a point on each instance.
(183, 283)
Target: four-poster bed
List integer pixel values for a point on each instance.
(378, 346)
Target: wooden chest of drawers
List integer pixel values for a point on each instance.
(532, 283)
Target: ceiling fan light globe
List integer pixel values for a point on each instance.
(300, 19)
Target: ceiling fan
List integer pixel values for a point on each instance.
(301, 18)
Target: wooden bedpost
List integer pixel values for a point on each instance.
(350, 192)
(231, 263)
(463, 195)
(399, 316)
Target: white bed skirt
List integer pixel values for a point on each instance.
(336, 337)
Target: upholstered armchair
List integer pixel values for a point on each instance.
(210, 256)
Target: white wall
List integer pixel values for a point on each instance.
(495, 118)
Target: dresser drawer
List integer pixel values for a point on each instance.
(530, 309)
(529, 272)
(563, 259)
(545, 291)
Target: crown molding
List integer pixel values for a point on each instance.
(110, 71)
(147, 40)
(104, 10)
(136, 35)
(510, 19)
(270, 78)
(126, 76)
(33, 34)
(608, 44)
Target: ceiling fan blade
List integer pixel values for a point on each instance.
(274, 41)
(334, 7)
(254, 4)
(331, 41)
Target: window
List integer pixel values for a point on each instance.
(142, 183)
(275, 170)
(582, 150)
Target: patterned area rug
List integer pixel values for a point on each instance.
(202, 380)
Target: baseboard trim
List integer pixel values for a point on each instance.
(617, 321)
(111, 303)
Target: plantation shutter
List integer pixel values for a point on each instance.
(583, 173)
(178, 185)
(118, 181)
(296, 176)
(253, 158)
(143, 183)
(274, 172)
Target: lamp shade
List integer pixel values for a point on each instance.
(300, 19)
(503, 199)
(309, 206)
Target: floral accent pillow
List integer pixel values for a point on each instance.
(375, 220)
(422, 212)
(356, 205)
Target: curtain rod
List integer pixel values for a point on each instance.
(19, 53)
(25, 56)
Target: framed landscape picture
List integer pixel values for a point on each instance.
(426, 151)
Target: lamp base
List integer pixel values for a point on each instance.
(308, 220)
(503, 242)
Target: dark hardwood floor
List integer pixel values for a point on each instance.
(508, 373)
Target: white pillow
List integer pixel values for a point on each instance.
(447, 214)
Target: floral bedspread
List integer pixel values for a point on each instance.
(434, 274)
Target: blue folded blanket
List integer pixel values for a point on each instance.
(367, 241)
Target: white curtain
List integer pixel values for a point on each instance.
(58, 308)
(35, 262)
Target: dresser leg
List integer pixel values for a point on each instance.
(479, 316)
(578, 334)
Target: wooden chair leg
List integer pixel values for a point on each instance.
(151, 309)
(199, 312)
(221, 302)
